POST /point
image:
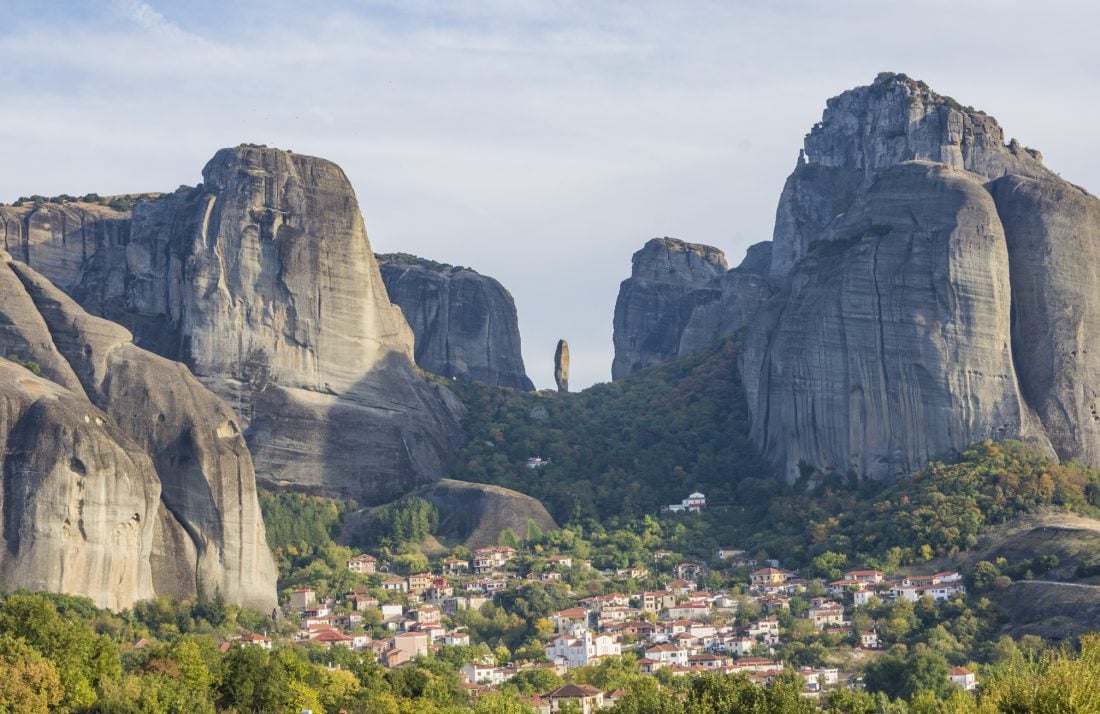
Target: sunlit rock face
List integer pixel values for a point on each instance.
(262, 281)
(124, 477)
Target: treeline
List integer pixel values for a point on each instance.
(618, 452)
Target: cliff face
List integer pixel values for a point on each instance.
(680, 298)
(123, 476)
(262, 281)
(937, 289)
(465, 324)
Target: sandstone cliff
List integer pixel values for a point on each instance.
(938, 287)
(262, 281)
(680, 298)
(123, 476)
(465, 324)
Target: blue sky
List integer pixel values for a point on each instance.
(541, 143)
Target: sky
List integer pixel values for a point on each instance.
(540, 143)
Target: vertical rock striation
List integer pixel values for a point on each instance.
(465, 324)
(262, 281)
(680, 298)
(178, 514)
(938, 289)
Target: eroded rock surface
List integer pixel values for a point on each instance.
(939, 287)
(680, 298)
(262, 281)
(142, 471)
(465, 323)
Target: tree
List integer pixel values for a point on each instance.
(29, 682)
(81, 658)
(904, 674)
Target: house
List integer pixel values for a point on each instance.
(578, 697)
(414, 643)
(303, 598)
(688, 571)
(426, 614)
(254, 640)
(695, 502)
(564, 619)
(581, 648)
(364, 564)
(963, 677)
(440, 590)
(634, 571)
(361, 600)
(706, 661)
(537, 462)
(769, 577)
(561, 561)
(454, 566)
(668, 654)
(395, 584)
(460, 639)
(479, 673)
(727, 553)
(393, 657)
(662, 554)
(689, 610)
(681, 586)
(657, 600)
(828, 613)
(331, 638)
(420, 582)
(488, 559)
(869, 640)
(865, 576)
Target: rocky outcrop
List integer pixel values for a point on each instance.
(476, 513)
(58, 239)
(465, 323)
(890, 344)
(867, 130)
(938, 289)
(262, 281)
(561, 366)
(1052, 230)
(680, 298)
(124, 477)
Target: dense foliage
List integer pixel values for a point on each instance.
(622, 449)
(619, 452)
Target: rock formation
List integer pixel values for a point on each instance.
(262, 281)
(561, 366)
(477, 513)
(465, 324)
(938, 288)
(680, 298)
(123, 477)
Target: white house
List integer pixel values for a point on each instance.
(579, 648)
(964, 678)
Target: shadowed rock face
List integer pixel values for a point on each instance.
(465, 324)
(142, 470)
(890, 343)
(262, 281)
(680, 298)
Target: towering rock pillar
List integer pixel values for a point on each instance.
(561, 366)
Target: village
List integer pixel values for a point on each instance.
(676, 628)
